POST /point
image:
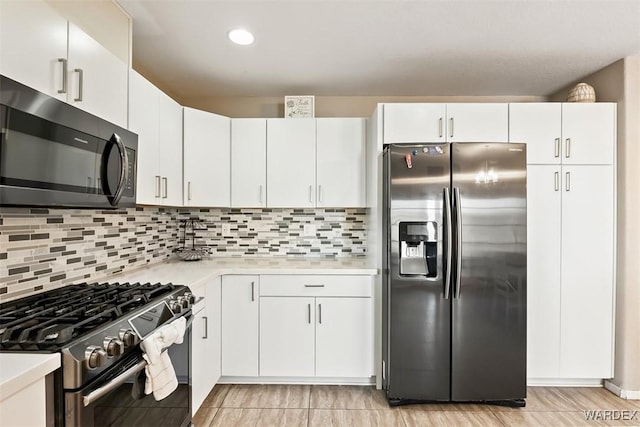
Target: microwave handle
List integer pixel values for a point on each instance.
(124, 169)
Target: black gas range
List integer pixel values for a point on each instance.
(97, 329)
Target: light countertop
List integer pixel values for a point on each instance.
(18, 370)
(191, 273)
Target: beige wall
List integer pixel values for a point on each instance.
(620, 82)
(326, 106)
(103, 20)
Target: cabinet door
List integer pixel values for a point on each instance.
(539, 125)
(34, 37)
(287, 336)
(213, 331)
(206, 159)
(587, 272)
(240, 325)
(97, 79)
(412, 123)
(544, 229)
(199, 360)
(589, 133)
(248, 163)
(344, 337)
(170, 151)
(144, 119)
(340, 165)
(291, 163)
(478, 122)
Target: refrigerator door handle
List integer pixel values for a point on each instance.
(456, 196)
(448, 242)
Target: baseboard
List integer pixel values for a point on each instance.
(366, 381)
(564, 382)
(624, 394)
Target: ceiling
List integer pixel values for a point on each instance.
(384, 47)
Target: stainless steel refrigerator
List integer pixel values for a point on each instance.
(455, 273)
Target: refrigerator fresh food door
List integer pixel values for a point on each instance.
(416, 318)
(489, 272)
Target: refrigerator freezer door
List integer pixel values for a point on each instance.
(489, 308)
(416, 319)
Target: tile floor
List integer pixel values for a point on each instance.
(315, 406)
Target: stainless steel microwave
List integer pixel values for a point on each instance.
(54, 154)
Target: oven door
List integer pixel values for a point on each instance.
(108, 401)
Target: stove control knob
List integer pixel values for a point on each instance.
(190, 297)
(175, 306)
(95, 356)
(113, 346)
(183, 301)
(127, 337)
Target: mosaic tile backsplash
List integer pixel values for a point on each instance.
(41, 249)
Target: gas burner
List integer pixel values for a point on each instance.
(49, 320)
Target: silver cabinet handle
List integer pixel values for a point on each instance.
(80, 83)
(456, 196)
(557, 181)
(448, 242)
(311, 194)
(314, 286)
(157, 185)
(320, 193)
(165, 183)
(206, 327)
(451, 127)
(567, 181)
(557, 146)
(260, 193)
(309, 311)
(567, 151)
(320, 314)
(253, 291)
(64, 75)
(189, 190)
(440, 127)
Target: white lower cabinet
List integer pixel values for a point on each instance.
(344, 337)
(570, 275)
(316, 326)
(240, 325)
(287, 341)
(205, 342)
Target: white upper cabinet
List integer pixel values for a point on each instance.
(144, 120)
(539, 126)
(423, 123)
(414, 123)
(157, 119)
(42, 50)
(340, 162)
(97, 79)
(248, 163)
(478, 122)
(207, 159)
(588, 133)
(565, 133)
(170, 151)
(291, 163)
(34, 46)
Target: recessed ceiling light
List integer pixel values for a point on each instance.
(241, 36)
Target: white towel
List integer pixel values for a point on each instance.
(161, 377)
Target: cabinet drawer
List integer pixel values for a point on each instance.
(314, 285)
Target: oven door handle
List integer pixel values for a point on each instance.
(113, 384)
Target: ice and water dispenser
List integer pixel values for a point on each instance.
(418, 248)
